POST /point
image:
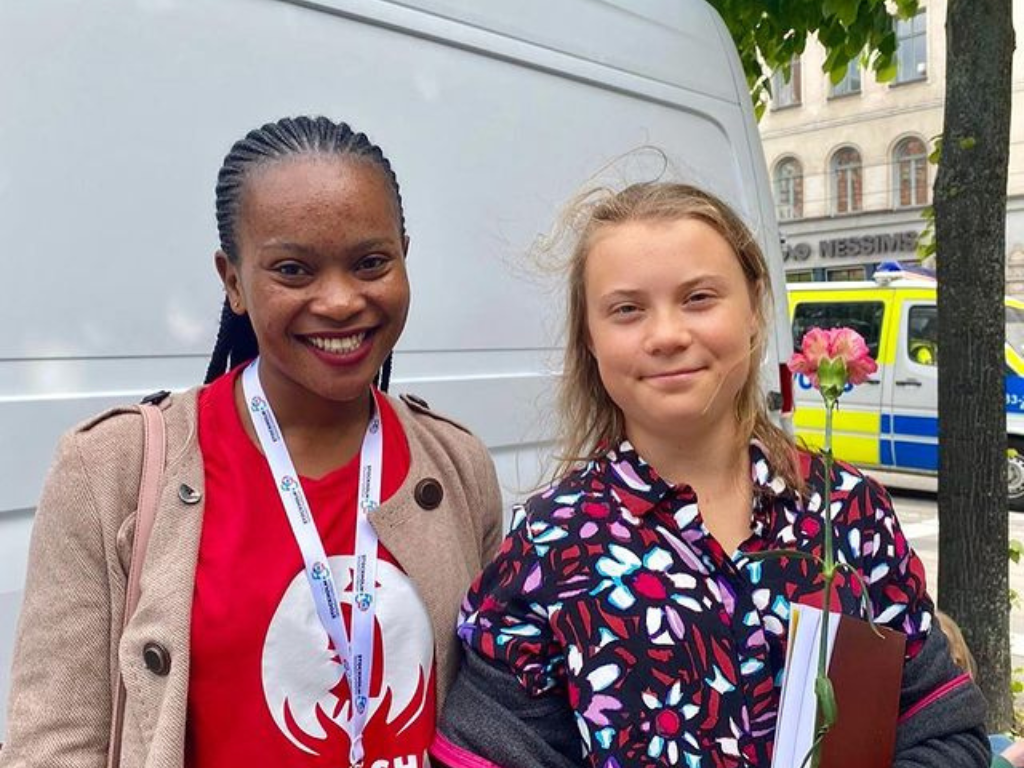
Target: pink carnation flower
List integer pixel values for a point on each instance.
(833, 344)
(851, 347)
(813, 349)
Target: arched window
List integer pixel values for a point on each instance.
(910, 173)
(789, 189)
(846, 180)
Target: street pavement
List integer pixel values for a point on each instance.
(918, 516)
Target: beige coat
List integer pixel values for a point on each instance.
(69, 642)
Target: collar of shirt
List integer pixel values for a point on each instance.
(640, 488)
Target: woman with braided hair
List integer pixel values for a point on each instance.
(312, 537)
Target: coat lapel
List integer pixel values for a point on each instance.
(443, 569)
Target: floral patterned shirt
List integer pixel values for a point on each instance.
(609, 590)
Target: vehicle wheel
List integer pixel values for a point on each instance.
(1015, 475)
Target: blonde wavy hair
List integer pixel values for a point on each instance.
(589, 420)
(958, 649)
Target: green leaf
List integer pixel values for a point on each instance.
(837, 73)
(831, 8)
(906, 8)
(783, 554)
(853, 49)
(886, 73)
(848, 12)
(887, 46)
(826, 695)
(832, 36)
(926, 238)
(1016, 550)
(926, 250)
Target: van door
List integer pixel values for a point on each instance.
(857, 423)
(910, 424)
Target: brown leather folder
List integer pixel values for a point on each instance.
(866, 673)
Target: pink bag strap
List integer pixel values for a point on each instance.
(153, 454)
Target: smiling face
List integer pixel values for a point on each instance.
(321, 274)
(670, 323)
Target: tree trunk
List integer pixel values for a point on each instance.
(970, 231)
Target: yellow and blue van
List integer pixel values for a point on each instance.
(891, 422)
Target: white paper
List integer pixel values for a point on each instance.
(794, 729)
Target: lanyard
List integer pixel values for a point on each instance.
(357, 656)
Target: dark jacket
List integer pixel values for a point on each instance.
(942, 719)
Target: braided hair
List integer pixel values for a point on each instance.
(288, 137)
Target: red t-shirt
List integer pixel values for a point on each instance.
(265, 685)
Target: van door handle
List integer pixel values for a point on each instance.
(908, 383)
(876, 382)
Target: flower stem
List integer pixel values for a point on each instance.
(826, 712)
(826, 500)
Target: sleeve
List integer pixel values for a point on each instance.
(509, 705)
(942, 712)
(490, 720)
(893, 571)
(60, 697)
(504, 616)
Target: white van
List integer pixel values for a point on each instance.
(115, 119)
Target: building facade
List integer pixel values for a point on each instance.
(849, 162)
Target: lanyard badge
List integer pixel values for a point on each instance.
(354, 647)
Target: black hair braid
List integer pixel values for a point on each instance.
(288, 137)
(383, 378)
(221, 349)
(236, 343)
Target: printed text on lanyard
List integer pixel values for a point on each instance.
(355, 648)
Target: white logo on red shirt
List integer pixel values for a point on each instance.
(302, 673)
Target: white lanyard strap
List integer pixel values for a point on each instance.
(364, 603)
(357, 656)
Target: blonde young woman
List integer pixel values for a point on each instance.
(623, 622)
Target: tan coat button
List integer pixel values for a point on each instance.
(188, 494)
(157, 659)
(428, 493)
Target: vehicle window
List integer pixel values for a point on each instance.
(865, 317)
(1015, 329)
(923, 335)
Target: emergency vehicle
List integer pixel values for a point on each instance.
(891, 422)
